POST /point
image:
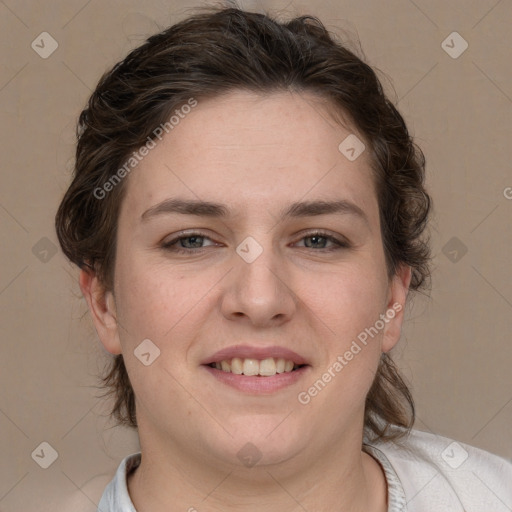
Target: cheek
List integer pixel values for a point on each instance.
(152, 299)
(347, 306)
(348, 299)
(155, 304)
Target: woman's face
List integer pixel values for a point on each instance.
(285, 262)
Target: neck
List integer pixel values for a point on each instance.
(341, 478)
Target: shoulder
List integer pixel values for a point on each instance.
(439, 474)
(105, 492)
(88, 496)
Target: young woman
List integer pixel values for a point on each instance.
(248, 212)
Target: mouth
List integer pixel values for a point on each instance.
(257, 370)
(267, 367)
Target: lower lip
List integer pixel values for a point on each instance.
(258, 385)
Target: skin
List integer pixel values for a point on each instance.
(254, 154)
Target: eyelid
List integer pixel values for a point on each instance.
(339, 241)
(336, 239)
(184, 234)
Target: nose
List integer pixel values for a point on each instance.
(259, 292)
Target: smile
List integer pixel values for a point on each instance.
(256, 369)
(253, 367)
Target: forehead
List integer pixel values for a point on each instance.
(248, 149)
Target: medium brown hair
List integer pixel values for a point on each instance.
(211, 53)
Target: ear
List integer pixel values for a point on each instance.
(103, 311)
(395, 309)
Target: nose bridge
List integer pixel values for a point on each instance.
(258, 266)
(258, 288)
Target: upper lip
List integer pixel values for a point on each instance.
(252, 352)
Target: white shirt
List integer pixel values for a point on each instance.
(424, 473)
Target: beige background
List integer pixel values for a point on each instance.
(456, 347)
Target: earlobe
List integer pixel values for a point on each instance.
(399, 289)
(102, 308)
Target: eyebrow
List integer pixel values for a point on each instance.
(217, 210)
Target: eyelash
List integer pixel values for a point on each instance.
(339, 244)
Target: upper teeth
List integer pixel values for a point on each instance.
(266, 367)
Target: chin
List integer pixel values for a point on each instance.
(260, 441)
